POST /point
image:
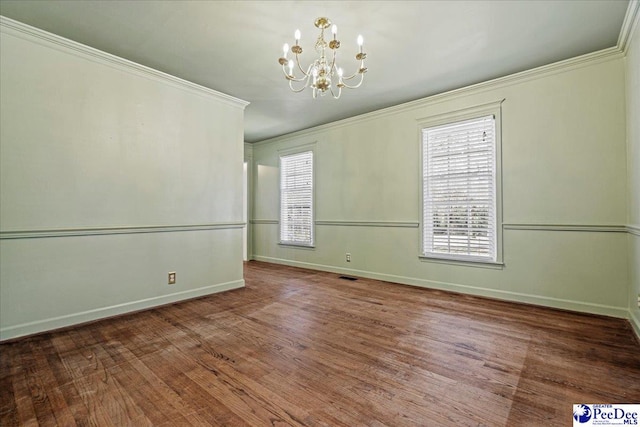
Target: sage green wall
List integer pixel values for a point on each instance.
(564, 191)
(111, 176)
(633, 169)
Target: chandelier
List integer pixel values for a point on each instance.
(323, 75)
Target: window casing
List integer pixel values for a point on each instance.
(460, 185)
(296, 199)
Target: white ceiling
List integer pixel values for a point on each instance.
(415, 48)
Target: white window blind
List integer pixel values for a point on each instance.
(296, 198)
(459, 190)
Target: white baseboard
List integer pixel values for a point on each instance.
(635, 323)
(38, 326)
(580, 306)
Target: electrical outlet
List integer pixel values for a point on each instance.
(172, 277)
(348, 257)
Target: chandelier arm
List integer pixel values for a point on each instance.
(291, 77)
(305, 73)
(296, 90)
(354, 86)
(303, 87)
(351, 76)
(333, 60)
(333, 94)
(294, 78)
(356, 73)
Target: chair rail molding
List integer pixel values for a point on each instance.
(97, 231)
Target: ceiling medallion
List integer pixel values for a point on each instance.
(323, 75)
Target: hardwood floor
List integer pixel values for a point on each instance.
(305, 348)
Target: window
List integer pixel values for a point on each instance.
(296, 199)
(459, 184)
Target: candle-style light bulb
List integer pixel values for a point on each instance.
(360, 41)
(285, 49)
(297, 36)
(290, 64)
(334, 30)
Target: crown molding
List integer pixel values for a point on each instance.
(27, 32)
(629, 25)
(566, 65)
(632, 16)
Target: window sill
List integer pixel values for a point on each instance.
(496, 265)
(296, 245)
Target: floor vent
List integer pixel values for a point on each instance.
(348, 278)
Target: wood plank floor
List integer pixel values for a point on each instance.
(304, 348)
